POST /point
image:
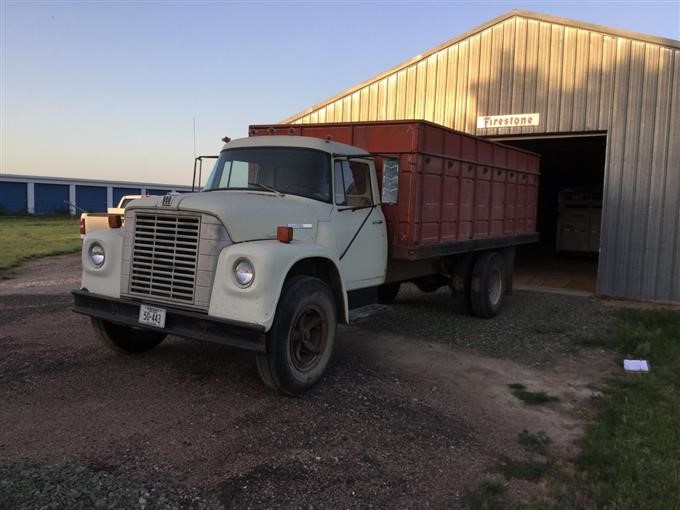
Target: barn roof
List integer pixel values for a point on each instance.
(515, 13)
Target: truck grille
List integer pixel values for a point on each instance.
(165, 256)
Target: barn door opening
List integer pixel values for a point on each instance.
(569, 212)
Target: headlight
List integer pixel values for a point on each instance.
(97, 256)
(244, 273)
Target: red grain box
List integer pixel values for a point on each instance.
(457, 192)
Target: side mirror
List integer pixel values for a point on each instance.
(390, 181)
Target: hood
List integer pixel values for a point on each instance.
(247, 215)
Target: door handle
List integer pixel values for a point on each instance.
(377, 222)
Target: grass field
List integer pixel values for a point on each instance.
(630, 456)
(631, 453)
(25, 237)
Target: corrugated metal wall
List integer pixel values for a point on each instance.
(579, 79)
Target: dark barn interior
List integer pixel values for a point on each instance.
(572, 168)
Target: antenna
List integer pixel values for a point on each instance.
(194, 137)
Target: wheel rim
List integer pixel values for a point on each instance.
(495, 287)
(307, 339)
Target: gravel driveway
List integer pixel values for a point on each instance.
(533, 328)
(413, 412)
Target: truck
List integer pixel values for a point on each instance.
(110, 219)
(296, 219)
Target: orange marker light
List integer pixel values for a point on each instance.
(284, 234)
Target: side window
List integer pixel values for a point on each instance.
(353, 184)
(359, 191)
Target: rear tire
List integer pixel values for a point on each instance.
(487, 289)
(460, 284)
(388, 292)
(126, 339)
(301, 339)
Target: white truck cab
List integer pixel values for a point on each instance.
(262, 258)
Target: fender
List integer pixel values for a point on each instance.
(272, 261)
(106, 279)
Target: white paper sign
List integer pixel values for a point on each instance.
(635, 365)
(505, 121)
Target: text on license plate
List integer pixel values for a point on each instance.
(152, 316)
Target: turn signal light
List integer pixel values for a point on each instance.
(115, 221)
(82, 226)
(284, 234)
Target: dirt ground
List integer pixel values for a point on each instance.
(400, 421)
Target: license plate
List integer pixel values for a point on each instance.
(152, 316)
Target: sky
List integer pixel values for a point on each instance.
(112, 90)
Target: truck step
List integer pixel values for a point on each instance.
(365, 312)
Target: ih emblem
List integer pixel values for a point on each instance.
(167, 200)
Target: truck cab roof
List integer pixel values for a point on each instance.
(307, 142)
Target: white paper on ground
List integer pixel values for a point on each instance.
(635, 365)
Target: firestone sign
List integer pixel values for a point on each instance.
(501, 121)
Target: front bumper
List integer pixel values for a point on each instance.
(177, 322)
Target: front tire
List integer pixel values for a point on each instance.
(300, 342)
(126, 339)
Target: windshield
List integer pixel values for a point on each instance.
(303, 172)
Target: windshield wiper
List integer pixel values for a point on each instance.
(268, 188)
(259, 185)
(357, 208)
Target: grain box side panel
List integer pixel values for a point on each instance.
(453, 187)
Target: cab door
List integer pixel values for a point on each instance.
(359, 224)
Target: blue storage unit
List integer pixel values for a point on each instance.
(119, 193)
(91, 198)
(157, 191)
(13, 197)
(50, 199)
(51, 195)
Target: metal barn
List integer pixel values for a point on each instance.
(601, 105)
